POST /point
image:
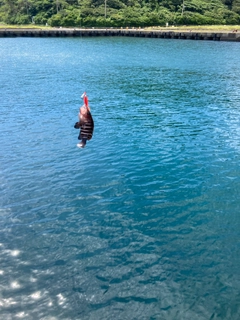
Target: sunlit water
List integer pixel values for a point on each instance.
(144, 223)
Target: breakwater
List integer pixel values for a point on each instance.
(165, 34)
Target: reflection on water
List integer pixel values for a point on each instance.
(144, 222)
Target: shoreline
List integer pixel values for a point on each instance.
(166, 33)
(195, 28)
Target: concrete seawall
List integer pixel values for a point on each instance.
(67, 32)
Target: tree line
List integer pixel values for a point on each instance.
(120, 13)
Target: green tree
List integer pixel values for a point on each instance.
(120, 12)
(236, 6)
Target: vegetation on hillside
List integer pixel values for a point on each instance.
(120, 13)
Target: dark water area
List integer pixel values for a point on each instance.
(144, 223)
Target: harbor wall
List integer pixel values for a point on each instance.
(77, 32)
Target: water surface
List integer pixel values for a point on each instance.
(144, 222)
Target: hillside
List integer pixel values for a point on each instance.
(120, 13)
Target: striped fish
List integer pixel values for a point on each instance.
(87, 127)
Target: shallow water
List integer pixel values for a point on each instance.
(144, 222)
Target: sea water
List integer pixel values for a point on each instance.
(144, 223)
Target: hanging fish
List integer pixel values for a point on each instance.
(85, 123)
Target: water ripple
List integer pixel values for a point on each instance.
(144, 222)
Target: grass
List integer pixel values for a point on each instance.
(212, 28)
(27, 26)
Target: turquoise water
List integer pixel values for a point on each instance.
(144, 223)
